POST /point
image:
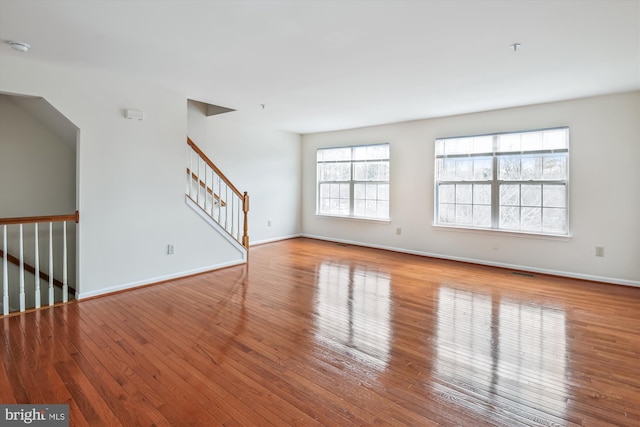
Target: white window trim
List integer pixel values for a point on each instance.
(495, 183)
(352, 183)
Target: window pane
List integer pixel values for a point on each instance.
(383, 209)
(481, 216)
(510, 195)
(464, 170)
(509, 168)
(555, 196)
(344, 207)
(324, 190)
(344, 191)
(324, 206)
(335, 171)
(372, 171)
(464, 193)
(510, 217)
(531, 219)
(360, 171)
(483, 144)
(531, 195)
(483, 169)
(447, 170)
(554, 220)
(447, 213)
(555, 139)
(447, 193)
(458, 146)
(371, 152)
(509, 142)
(531, 167)
(383, 192)
(482, 194)
(554, 167)
(531, 141)
(372, 191)
(464, 215)
(333, 154)
(335, 191)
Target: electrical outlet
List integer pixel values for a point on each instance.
(495, 246)
(171, 249)
(398, 231)
(599, 250)
(269, 223)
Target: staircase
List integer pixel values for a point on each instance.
(34, 251)
(34, 254)
(212, 196)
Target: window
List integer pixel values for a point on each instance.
(354, 181)
(509, 181)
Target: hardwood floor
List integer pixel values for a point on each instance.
(315, 333)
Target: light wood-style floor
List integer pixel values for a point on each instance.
(316, 333)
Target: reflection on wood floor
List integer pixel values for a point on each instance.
(314, 333)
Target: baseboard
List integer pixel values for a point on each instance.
(275, 239)
(155, 280)
(568, 274)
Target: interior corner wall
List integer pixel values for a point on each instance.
(604, 190)
(263, 161)
(37, 168)
(131, 181)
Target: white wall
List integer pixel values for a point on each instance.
(37, 169)
(131, 176)
(37, 177)
(604, 190)
(258, 159)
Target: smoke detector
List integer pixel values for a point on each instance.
(20, 46)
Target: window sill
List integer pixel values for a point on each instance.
(355, 218)
(492, 232)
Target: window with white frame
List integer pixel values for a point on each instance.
(353, 181)
(516, 181)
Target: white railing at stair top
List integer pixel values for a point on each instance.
(35, 270)
(212, 191)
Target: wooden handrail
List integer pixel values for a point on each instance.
(203, 185)
(214, 167)
(243, 197)
(75, 217)
(31, 269)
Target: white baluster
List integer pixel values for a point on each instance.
(22, 301)
(65, 287)
(189, 171)
(37, 266)
(219, 200)
(198, 182)
(226, 211)
(5, 273)
(240, 219)
(51, 294)
(213, 193)
(190, 174)
(206, 193)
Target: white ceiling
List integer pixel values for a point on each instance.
(326, 65)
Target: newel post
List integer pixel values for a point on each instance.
(245, 209)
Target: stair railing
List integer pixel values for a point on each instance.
(212, 191)
(23, 266)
